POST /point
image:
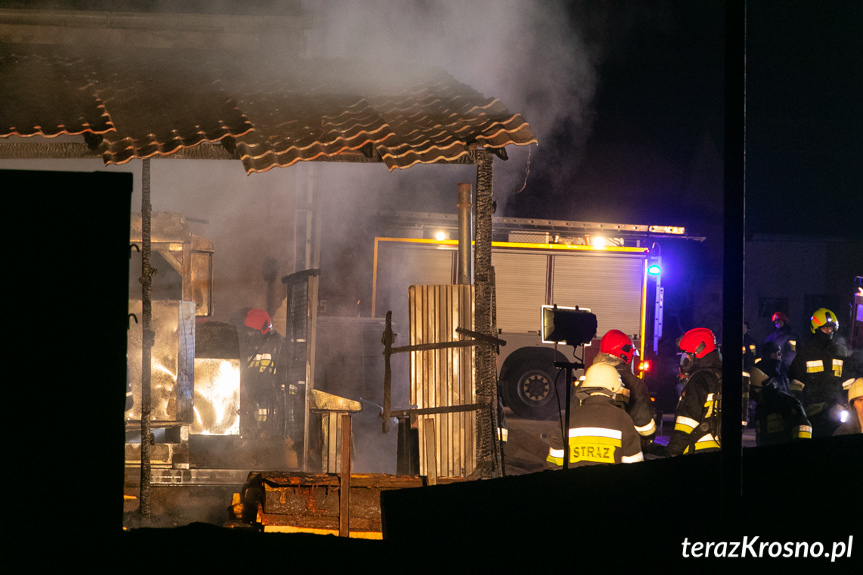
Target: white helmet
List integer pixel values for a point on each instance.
(856, 390)
(602, 375)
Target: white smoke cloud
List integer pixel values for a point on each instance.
(527, 54)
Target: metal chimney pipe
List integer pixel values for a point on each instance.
(465, 248)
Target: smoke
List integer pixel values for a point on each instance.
(527, 54)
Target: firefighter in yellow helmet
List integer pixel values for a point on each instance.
(817, 370)
(855, 405)
(599, 432)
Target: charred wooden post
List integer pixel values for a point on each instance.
(486, 369)
(148, 336)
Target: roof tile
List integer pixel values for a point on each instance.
(146, 104)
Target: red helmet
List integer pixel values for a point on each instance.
(259, 319)
(779, 316)
(618, 344)
(699, 342)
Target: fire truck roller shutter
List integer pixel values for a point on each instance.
(611, 287)
(521, 289)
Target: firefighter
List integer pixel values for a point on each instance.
(617, 350)
(784, 337)
(855, 416)
(817, 370)
(770, 362)
(599, 432)
(698, 420)
(261, 378)
(779, 417)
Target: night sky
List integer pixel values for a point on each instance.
(805, 117)
(655, 150)
(658, 107)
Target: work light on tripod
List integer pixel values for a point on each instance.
(566, 325)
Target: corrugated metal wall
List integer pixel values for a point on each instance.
(522, 286)
(611, 287)
(443, 377)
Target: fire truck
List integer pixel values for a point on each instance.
(613, 270)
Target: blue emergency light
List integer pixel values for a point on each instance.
(654, 269)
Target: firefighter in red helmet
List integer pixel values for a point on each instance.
(617, 350)
(262, 376)
(258, 319)
(783, 336)
(698, 420)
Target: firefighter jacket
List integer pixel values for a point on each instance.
(634, 398)
(787, 342)
(264, 364)
(262, 389)
(698, 419)
(818, 365)
(776, 373)
(779, 417)
(600, 432)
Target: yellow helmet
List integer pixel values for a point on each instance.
(823, 317)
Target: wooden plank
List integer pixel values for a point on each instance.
(345, 490)
(431, 463)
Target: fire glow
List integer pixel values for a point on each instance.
(217, 397)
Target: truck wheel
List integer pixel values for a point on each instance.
(531, 394)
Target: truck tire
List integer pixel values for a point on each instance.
(530, 392)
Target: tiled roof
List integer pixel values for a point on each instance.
(266, 112)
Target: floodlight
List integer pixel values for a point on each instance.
(571, 326)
